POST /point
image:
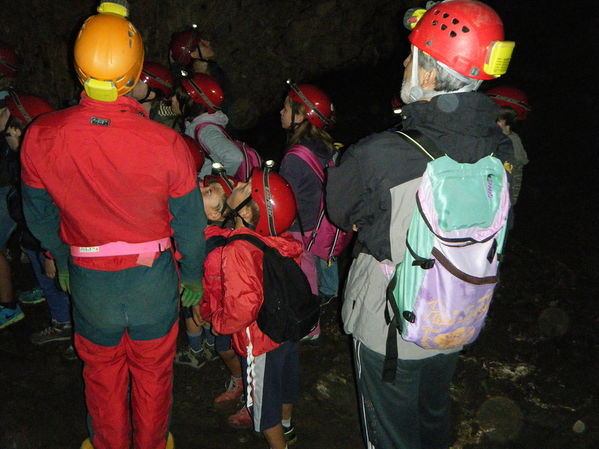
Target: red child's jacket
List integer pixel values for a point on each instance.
(243, 292)
(212, 281)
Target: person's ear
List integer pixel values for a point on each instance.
(246, 214)
(429, 79)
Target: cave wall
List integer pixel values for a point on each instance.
(260, 43)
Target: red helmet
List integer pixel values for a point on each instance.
(157, 77)
(227, 186)
(182, 44)
(319, 109)
(204, 89)
(195, 150)
(511, 97)
(8, 61)
(466, 36)
(276, 201)
(26, 107)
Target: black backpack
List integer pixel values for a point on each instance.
(290, 311)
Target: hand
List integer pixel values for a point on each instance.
(197, 316)
(192, 293)
(50, 268)
(64, 281)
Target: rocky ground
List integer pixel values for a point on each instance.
(529, 381)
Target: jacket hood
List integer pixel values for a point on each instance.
(217, 118)
(464, 125)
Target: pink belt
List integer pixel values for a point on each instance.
(146, 250)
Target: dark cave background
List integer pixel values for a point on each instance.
(354, 50)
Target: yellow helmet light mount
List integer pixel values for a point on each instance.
(100, 90)
(117, 7)
(498, 57)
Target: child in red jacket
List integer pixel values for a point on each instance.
(272, 369)
(215, 190)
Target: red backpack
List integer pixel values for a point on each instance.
(251, 158)
(326, 240)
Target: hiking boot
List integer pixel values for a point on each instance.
(70, 354)
(191, 358)
(55, 332)
(241, 419)
(289, 434)
(313, 336)
(209, 352)
(232, 393)
(326, 299)
(10, 316)
(86, 444)
(33, 296)
(170, 442)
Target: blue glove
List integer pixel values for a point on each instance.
(192, 294)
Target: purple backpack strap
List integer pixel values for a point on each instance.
(306, 155)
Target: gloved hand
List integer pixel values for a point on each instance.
(192, 293)
(64, 281)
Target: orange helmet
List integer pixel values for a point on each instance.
(26, 107)
(109, 56)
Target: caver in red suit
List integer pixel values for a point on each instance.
(98, 173)
(104, 190)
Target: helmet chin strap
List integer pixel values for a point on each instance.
(235, 212)
(417, 93)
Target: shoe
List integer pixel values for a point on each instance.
(33, 296)
(10, 316)
(289, 434)
(241, 419)
(70, 354)
(232, 393)
(210, 353)
(55, 332)
(311, 338)
(86, 444)
(190, 358)
(326, 299)
(314, 335)
(170, 442)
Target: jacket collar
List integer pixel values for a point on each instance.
(122, 102)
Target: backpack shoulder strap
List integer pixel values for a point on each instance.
(216, 241)
(258, 243)
(306, 155)
(422, 142)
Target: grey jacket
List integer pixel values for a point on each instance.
(374, 187)
(220, 147)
